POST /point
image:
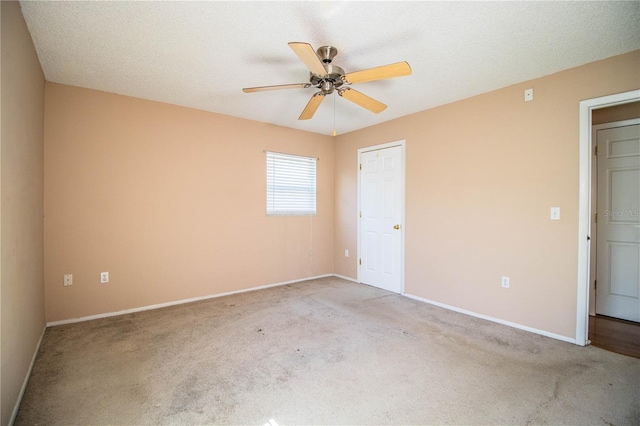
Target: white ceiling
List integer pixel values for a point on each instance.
(201, 54)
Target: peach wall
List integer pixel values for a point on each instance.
(616, 113)
(481, 175)
(21, 209)
(170, 201)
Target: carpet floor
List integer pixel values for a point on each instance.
(324, 351)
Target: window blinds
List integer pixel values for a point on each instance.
(291, 184)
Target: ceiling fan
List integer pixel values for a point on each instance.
(328, 77)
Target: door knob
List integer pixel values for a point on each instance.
(396, 227)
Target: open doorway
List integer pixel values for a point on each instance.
(586, 211)
(614, 292)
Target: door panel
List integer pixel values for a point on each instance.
(381, 198)
(618, 226)
(371, 250)
(623, 279)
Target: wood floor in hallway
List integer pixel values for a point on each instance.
(615, 335)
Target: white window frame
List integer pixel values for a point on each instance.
(291, 184)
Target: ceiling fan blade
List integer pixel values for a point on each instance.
(278, 87)
(307, 55)
(362, 100)
(312, 106)
(398, 69)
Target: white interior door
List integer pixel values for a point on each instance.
(381, 233)
(618, 226)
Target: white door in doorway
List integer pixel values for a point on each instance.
(618, 226)
(381, 233)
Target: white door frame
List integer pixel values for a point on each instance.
(401, 143)
(584, 204)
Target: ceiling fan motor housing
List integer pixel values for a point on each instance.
(333, 78)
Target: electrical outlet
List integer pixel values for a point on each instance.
(68, 280)
(505, 282)
(104, 277)
(346, 253)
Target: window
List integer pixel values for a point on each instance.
(291, 184)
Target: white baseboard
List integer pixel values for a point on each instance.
(178, 302)
(12, 419)
(212, 296)
(346, 278)
(488, 318)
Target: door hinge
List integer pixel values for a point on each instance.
(360, 214)
(596, 217)
(360, 261)
(596, 150)
(360, 166)
(595, 284)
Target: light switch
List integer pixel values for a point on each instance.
(555, 213)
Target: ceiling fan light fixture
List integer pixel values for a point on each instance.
(327, 87)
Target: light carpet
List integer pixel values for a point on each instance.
(324, 351)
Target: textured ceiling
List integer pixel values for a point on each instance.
(201, 54)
